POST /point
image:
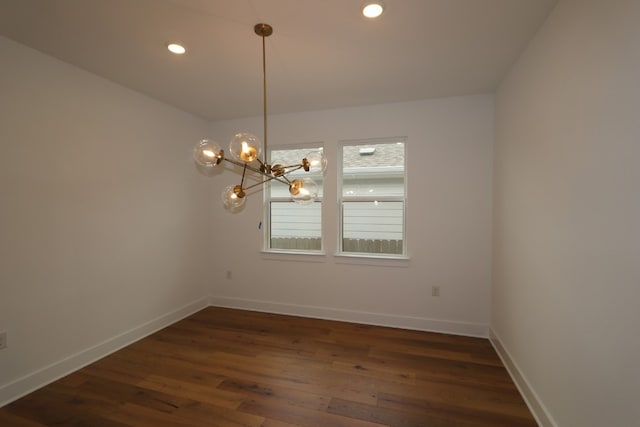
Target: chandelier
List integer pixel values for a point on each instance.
(245, 150)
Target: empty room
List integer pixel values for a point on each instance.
(337, 213)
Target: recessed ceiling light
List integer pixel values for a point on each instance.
(176, 48)
(373, 9)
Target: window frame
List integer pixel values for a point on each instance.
(341, 198)
(268, 199)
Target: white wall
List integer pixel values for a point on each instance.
(449, 151)
(566, 279)
(101, 217)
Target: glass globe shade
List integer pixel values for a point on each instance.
(317, 161)
(207, 153)
(303, 191)
(245, 147)
(231, 199)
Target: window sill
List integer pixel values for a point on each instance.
(371, 259)
(342, 258)
(293, 256)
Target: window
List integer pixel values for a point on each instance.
(292, 226)
(372, 198)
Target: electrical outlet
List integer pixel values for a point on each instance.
(228, 274)
(435, 291)
(3, 340)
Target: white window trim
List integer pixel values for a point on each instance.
(267, 199)
(355, 256)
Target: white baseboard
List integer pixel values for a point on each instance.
(33, 381)
(539, 411)
(405, 322)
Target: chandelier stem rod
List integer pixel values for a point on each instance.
(264, 95)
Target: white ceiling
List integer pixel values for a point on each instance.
(323, 53)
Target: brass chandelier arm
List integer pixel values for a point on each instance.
(282, 178)
(247, 166)
(242, 165)
(268, 178)
(292, 168)
(296, 167)
(244, 172)
(262, 164)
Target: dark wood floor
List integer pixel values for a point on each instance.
(223, 367)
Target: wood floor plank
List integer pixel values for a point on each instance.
(230, 368)
(197, 392)
(132, 414)
(388, 417)
(299, 416)
(275, 423)
(459, 372)
(50, 408)
(210, 415)
(15, 420)
(372, 369)
(289, 372)
(441, 412)
(269, 393)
